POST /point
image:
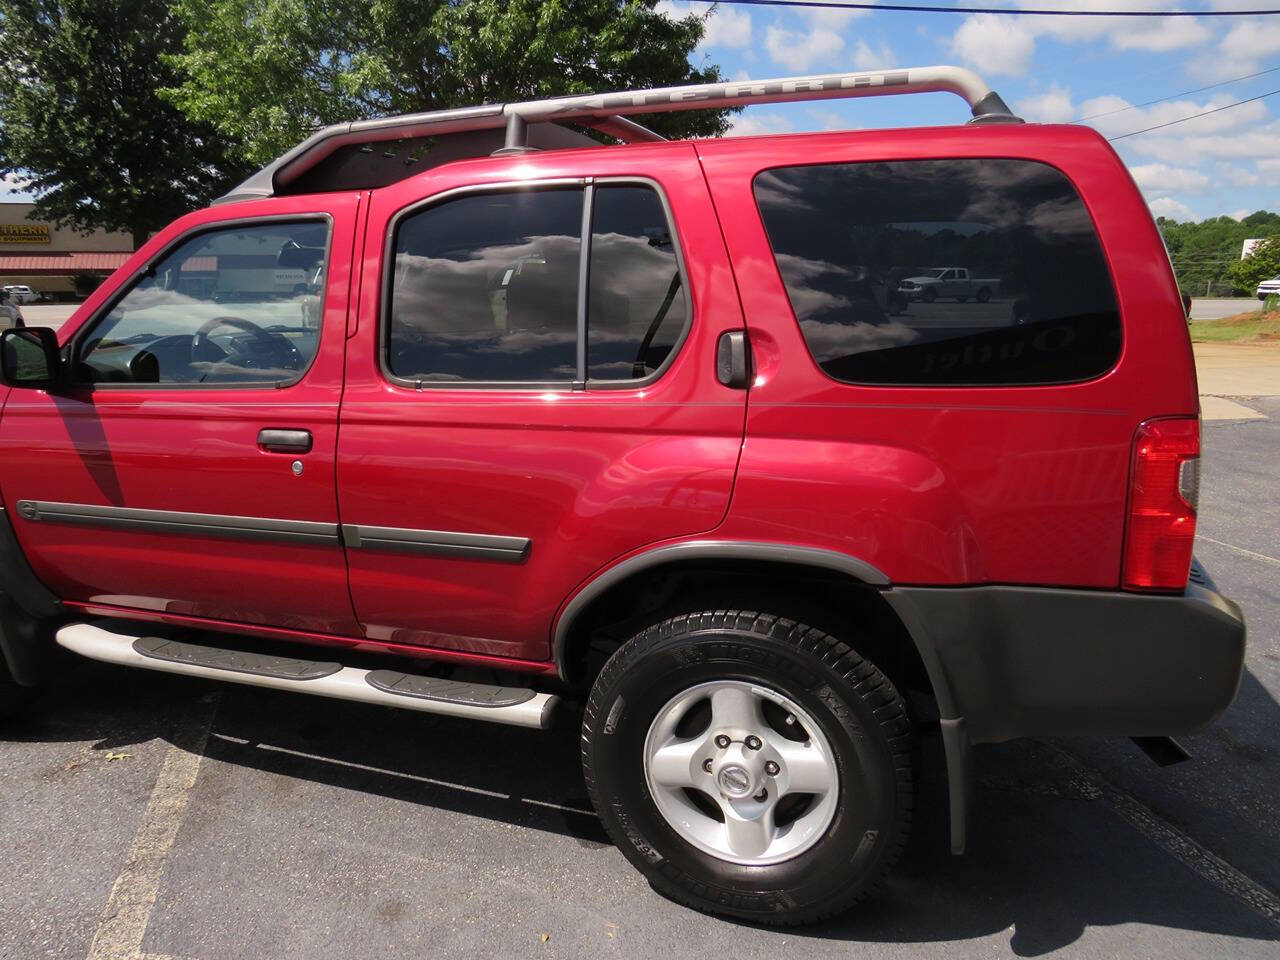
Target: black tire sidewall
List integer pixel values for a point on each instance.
(864, 830)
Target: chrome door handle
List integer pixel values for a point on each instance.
(285, 441)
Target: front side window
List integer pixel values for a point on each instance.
(942, 272)
(238, 304)
(485, 288)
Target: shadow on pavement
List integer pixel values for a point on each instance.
(1049, 855)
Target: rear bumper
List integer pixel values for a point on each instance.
(1031, 661)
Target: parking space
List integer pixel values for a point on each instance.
(149, 815)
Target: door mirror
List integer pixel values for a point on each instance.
(29, 357)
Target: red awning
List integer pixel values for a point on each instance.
(60, 262)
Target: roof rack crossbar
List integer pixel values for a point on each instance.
(607, 112)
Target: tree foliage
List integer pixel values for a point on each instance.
(269, 72)
(1205, 254)
(1262, 264)
(81, 118)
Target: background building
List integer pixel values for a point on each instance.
(48, 258)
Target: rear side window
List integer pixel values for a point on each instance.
(485, 288)
(942, 272)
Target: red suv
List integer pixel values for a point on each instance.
(767, 450)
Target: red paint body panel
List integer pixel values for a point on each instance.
(587, 476)
(951, 485)
(944, 485)
(192, 450)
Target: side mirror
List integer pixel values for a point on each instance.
(29, 357)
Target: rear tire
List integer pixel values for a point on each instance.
(984, 295)
(838, 775)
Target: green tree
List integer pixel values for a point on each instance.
(1262, 264)
(81, 119)
(1204, 252)
(269, 72)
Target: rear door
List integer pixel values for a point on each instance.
(189, 469)
(492, 458)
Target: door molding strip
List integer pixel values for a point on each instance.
(177, 521)
(441, 543)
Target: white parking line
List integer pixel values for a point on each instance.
(133, 895)
(1247, 553)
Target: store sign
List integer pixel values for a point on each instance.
(24, 233)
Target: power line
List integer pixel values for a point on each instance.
(1000, 11)
(1202, 113)
(1175, 96)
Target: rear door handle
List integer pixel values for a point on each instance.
(285, 441)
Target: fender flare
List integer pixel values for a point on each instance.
(705, 550)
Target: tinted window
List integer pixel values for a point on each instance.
(942, 272)
(485, 288)
(237, 305)
(636, 309)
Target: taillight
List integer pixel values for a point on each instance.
(1164, 485)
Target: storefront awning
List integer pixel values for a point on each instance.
(56, 263)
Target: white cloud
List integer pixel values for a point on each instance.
(1165, 34)
(1161, 178)
(1243, 49)
(725, 27)
(13, 183)
(999, 45)
(751, 123)
(867, 58)
(1171, 208)
(1239, 214)
(1007, 44)
(1249, 41)
(798, 51)
(1053, 106)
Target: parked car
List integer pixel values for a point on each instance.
(950, 282)
(20, 293)
(10, 314)
(639, 426)
(1267, 287)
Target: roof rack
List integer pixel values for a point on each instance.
(522, 126)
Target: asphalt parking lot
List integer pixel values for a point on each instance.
(155, 816)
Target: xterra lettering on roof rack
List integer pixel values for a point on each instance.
(340, 157)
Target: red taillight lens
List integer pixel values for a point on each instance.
(1163, 488)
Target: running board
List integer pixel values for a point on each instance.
(515, 706)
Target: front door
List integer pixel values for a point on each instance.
(188, 471)
(504, 436)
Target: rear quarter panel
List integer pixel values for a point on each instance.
(952, 485)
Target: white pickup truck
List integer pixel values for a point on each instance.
(952, 282)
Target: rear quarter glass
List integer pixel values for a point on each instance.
(942, 272)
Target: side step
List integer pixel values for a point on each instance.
(476, 701)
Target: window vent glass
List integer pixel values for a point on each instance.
(637, 304)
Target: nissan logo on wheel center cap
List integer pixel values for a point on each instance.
(734, 780)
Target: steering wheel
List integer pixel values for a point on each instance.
(275, 349)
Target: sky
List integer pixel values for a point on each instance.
(1049, 70)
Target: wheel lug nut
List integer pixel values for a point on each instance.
(762, 796)
(753, 743)
(771, 768)
(722, 741)
(791, 720)
(706, 765)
